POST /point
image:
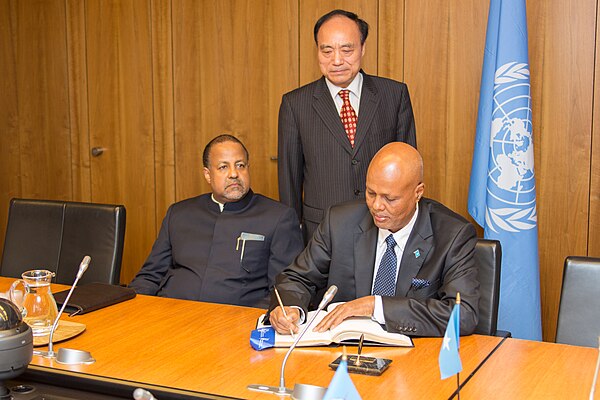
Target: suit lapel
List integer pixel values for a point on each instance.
(418, 246)
(365, 246)
(325, 108)
(369, 102)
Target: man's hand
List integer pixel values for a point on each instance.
(283, 324)
(362, 307)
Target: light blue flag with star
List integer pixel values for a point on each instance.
(502, 195)
(341, 386)
(449, 357)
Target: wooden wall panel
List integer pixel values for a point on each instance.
(390, 46)
(311, 11)
(442, 65)
(10, 162)
(562, 72)
(78, 100)
(121, 118)
(234, 59)
(594, 216)
(162, 78)
(426, 63)
(42, 100)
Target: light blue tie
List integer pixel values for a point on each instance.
(385, 281)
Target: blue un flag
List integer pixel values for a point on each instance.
(449, 356)
(502, 191)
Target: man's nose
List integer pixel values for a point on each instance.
(337, 57)
(377, 204)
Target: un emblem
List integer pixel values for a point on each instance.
(511, 179)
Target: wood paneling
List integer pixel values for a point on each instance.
(162, 78)
(10, 160)
(78, 101)
(426, 70)
(390, 61)
(594, 217)
(121, 118)
(42, 100)
(562, 72)
(443, 55)
(311, 11)
(233, 63)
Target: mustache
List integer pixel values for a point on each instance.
(234, 182)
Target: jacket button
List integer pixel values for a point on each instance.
(356, 192)
(354, 162)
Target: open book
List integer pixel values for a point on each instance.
(348, 331)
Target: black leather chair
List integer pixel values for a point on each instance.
(56, 235)
(488, 257)
(579, 311)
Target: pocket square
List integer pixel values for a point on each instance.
(419, 283)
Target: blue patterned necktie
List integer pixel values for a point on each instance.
(385, 281)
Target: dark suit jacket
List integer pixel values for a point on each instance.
(197, 255)
(314, 153)
(342, 253)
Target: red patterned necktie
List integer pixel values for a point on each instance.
(348, 116)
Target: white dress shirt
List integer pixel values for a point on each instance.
(355, 88)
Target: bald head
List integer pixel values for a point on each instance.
(399, 161)
(394, 185)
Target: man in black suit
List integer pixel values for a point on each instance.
(226, 246)
(326, 142)
(408, 282)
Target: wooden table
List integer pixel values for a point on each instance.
(523, 369)
(205, 347)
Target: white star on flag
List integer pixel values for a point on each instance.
(446, 344)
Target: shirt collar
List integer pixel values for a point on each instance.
(355, 87)
(401, 236)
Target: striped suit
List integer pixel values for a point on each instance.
(315, 159)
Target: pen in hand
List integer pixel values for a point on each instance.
(283, 309)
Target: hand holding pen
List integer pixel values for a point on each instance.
(283, 309)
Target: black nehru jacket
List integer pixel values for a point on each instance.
(197, 256)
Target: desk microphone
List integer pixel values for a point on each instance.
(143, 394)
(85, 263)
(282, 390)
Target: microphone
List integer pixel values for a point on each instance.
(327, 297)
(142, 394)
(282, 390)
(82, 268)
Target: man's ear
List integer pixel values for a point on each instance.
(420, 190)
(206, 172)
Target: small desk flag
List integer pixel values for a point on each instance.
(502, 195)
(449, 357)
(341, 386)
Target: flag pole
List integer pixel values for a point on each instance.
(458, 373)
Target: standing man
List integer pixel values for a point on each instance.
(222, 247)
(330, 129)
(396, 257)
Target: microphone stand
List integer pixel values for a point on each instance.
(305, 391)
(68, 356)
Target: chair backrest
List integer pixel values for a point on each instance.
(488, 257)
(579, 311)
(56, 235)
